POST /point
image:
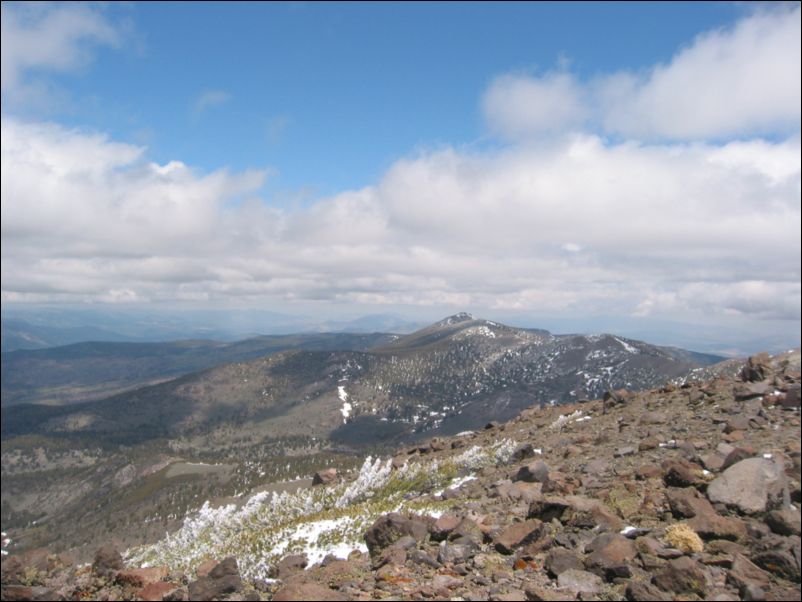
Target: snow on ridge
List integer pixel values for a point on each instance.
(627, 346)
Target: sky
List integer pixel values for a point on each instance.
(575, 166)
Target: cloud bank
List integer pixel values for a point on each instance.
(665, 218)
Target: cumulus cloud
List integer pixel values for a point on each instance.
(692, 222)
(738, 81)
(38, 37)
(518, 106)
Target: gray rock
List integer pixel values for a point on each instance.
(560, 560)
(580, 582)
(750, 485)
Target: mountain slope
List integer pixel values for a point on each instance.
(453, 375)
(687, 492)
(93, 370)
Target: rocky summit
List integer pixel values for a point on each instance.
(684, 492)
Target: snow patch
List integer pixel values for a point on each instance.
(347, 407)
(627, 346)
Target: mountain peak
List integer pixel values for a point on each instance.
(462, 316)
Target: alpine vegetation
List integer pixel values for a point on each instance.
(317, 521)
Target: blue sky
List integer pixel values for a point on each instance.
(330, 95)
(635, 165)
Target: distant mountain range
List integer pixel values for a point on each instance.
(452, 375)
(92, 370)
(41, 329)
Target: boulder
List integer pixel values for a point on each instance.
(580, 582)
(289, 565)
(643, 591)
(141, 577)
(455, 553)
(390, 528)
(223, 579)
(679, 472)
(444, 525)
(682, 576)
(611, 556)
(535, 472)
(560, 560)
(743, 573)
(751, 485)
(159, 590)
(518, 534)
(757, 368)
(785, 521)
(778, 562)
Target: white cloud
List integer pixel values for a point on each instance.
(39, 37)
(209, 99)
(733, 82)
(650, 228)
(729, 82)
(522, 106)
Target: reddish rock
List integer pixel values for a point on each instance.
(24, 592)
(648, 471)
(757, 368)
(535, 472)
(157, 591)
(443, 526)
(205, 568)
(223, 579)
(743, 573)
(141, 577)
(682, 576)
(390, 528)
(679, 472)
(324, 477)
(289, 565)
(518, 534)
(611, 556)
